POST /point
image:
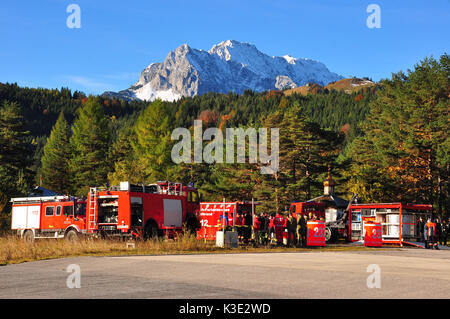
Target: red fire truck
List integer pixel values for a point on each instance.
(48, 217)
(143, 211)
(216, 216)
(398, 221)
(308, 208)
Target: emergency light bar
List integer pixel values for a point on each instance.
(39, 199)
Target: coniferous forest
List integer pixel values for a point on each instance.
(387, 143)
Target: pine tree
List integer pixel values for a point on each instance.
(127, 166)
(54, 172)
(13, 144)
(305, 152)
(14, 157)
(89, 144)
(404, 153)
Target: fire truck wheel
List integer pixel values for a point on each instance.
(330, 235)
(71, 235)
(28, 236)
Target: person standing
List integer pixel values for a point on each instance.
(439, 232)
(420, 229)
(272, 227)
(430, 232)
(301, 230)
(278, 223)
(291, 225)
(238, 223)
(248, 221)
(264, 228)
(447, 231)
(257, 228)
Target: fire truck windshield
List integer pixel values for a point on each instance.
(311, 209)
(195, 198)
(80, 209)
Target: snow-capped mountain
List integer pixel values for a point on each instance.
(228, 66)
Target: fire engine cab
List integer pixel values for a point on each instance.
(128, 210)
(48, 217)
(308, 209)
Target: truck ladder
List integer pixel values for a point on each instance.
(178, 188)
(92, 213)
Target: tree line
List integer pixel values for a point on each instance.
(389, 144)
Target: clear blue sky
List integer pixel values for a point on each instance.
(118, 39)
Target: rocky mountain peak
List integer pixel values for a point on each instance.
(228, 66)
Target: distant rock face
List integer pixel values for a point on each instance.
(229, 66)
(284, 82)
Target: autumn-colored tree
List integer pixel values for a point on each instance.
(209, 118)
(153, 143)
(404, 152)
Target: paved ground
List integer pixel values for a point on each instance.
(406, 273)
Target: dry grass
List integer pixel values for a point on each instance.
(15, 250)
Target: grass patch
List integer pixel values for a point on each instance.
(14, 250)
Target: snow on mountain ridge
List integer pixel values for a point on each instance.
(228, 66)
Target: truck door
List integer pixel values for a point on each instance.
(137, 212)
(173, 213)
(49, 217)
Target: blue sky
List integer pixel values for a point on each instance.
(118, 39)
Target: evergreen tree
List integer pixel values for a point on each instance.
(54, 172)
(13, 143)
(306, 152)
(404, 153)
(127, 166)
(14, 157)
(89, 144)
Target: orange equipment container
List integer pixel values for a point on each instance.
(372, 237)
(316, 233)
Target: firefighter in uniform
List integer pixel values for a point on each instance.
(248, 221)
(429, 231)
(238, 223)
(271, 227)
(291, 225)
(264, 228)
(439, 232)
(420, 228)
(257, 228)
(301, 230)
(278, 223)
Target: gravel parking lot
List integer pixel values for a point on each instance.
(404, 273)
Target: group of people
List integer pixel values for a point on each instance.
(269, 228)
(244, 233)
(433, 232)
